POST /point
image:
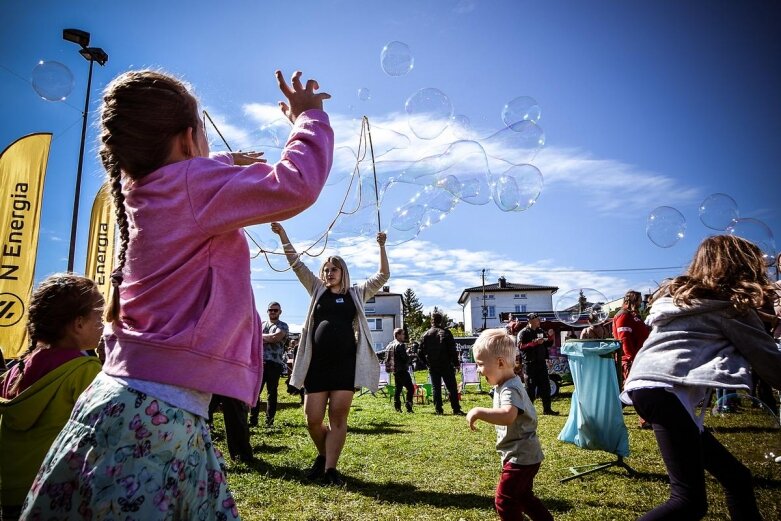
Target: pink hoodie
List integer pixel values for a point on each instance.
(188, 314)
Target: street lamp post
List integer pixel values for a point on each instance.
(91, 54)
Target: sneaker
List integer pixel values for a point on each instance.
(439, 412)
(409, 407)
(332, 477)
(550, 412)
(459, 412)
(397, 407)
(317, 469)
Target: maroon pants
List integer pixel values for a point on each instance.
(514, 494)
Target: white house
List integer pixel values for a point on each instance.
(503, 298)
(384, 313)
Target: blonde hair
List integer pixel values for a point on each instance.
(337, 261)
(724, 267)
(497, 343)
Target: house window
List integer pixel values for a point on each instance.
(369, 309)
(517, 308)
(520, 295)
(490, 297)
(375, 324)
(379, 347)
(371, 300)
(491, 311)
(523, 308)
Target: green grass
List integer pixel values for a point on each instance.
(425, 467)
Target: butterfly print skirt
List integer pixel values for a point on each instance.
(125, 455)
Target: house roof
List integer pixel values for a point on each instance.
(506, 286)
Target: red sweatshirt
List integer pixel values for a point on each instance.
(631, 331)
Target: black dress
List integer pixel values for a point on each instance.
(332, 367)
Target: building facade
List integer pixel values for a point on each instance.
(384, 313)
(484, 306)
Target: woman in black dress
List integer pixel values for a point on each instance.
(335, 355)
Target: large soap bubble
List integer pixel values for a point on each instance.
(428, 112)
(581, 307)
(757, 232)
(52, 80)
(665, 226)
(364, 94)
(517, 188)
(461, 127)
(520, 109)
(517, 144)
(396, 59)
(717, 211)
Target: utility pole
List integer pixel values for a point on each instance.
(485, 308)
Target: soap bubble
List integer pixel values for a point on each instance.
(408, 217)
(665, 226)
(717, 211)
(517, 188)
(737, 415)
(364, 94)
(517, 144)
(520, 109)
(428, 112)
(52, 80)
(461, 127)
(575, 307)
(396, 59)
(757, 232)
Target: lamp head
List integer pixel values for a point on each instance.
(76, 36)
(94, 54)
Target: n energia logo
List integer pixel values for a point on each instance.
(11, 309)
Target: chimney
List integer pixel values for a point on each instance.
(502, 282)
(386, 289)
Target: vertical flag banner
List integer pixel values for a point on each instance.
(102, 238)
(22, 173)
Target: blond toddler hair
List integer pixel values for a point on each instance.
(497, 343)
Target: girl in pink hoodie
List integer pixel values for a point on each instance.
(182, 317)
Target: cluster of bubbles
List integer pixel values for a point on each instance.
(408, 196)
(469, 170)
(52, 80)
(581, 307)
(666, 225)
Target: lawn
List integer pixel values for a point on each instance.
(426, 467)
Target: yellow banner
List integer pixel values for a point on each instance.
(22, 173)
(100, 250)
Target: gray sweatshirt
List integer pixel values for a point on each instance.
(706, 344)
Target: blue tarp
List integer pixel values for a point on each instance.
(595, 420)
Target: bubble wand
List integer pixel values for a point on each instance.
(374, 171)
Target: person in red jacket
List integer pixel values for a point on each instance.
(629, 329)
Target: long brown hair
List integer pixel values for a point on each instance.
(337, 261)
(724, 267)
(142, 112)
(56, 302)
(632, 301)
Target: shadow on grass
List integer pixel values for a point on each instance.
(377, 428)
(389, 492)
(747, 429)
(269, 449)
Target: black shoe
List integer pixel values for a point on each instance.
(409, 407)
(459, 412)
(397, 407)
(269, 422)
(439, 412)
(253, 421)
(332, 477)
(550, 412)
(317, 469)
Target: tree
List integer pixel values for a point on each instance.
(415, 322)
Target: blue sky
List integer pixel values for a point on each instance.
(644, 104)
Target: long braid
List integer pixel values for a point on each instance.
(115, 174)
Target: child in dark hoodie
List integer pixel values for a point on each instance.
(705, 333)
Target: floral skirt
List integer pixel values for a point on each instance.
(125, 455)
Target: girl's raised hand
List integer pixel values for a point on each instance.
(381, 238)
(299, 98)
(279, 230)
(247, 158)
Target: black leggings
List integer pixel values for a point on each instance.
(687, 454)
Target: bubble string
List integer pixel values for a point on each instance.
(374, 171)
(364, 143)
